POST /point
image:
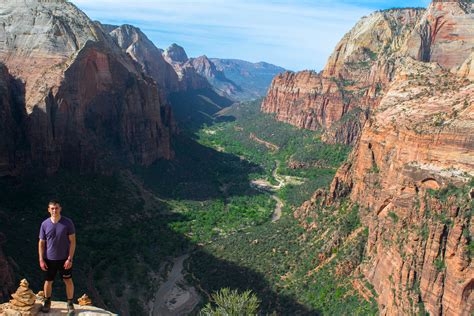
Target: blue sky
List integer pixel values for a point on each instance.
(298, 34)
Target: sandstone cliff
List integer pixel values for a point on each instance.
(360, 69)
(444, 35)
(409, 174)
(355, 77)
(86, 101)
(136, 44)
(412, 169)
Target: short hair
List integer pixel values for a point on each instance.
(54, 202)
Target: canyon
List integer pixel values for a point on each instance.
(92, 111)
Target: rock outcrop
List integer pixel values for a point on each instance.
(85, 100)
(412, 169)
(137, 45)
(444, 35)
(6, 273)
(409, 174)
(13, 156)
(189, 78)
(216, 78)
(354, 79)
(362, 66)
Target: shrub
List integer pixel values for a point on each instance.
(230, 303)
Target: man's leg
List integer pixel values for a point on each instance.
(69, 288)
(48, 285)
(48, 289)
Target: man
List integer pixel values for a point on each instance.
(57, 243)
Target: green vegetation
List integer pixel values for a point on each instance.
(130, 225)
(231, 303)
(439, 264)
(291, 262)
(393, 216)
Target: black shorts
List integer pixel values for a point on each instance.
(53, 267)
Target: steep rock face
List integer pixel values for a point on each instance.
(188, 76)
(12, 116)
(355, 77)
(216, 78)
(444, 35)
(420, 138)
(132, 40)
(85, 99)
(409, 174)
(467, 68)
(175, 54)
(6, 274)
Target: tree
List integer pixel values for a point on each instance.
(229, 302)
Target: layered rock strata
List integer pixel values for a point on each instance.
(362, 66)
(86, 101)
(409, 174)
(355, 77)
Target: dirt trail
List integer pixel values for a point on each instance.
(175, 296)
(266, 186)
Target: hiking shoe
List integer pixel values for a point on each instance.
(46, 306)
(70, 308)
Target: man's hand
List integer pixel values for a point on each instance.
(43, 265)
(68, 264)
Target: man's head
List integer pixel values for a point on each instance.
(54, 208)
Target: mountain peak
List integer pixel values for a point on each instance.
(176, 53)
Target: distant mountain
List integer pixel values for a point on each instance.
(253, 78)
(176, 56)
(218, 79)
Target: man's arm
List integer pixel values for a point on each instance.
(72, 249)
(72, 246)
(41, 244)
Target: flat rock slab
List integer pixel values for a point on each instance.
(59, 308)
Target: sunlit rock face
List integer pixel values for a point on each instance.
(353, 81)
(411, 171)
(85, 100)
(189, 78)
(137, 45)
(444, 35)
(361, 68)
(418, 141)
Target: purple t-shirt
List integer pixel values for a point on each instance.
(57, 237)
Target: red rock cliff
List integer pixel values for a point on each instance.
(86, 101)
(362, 66)
(410, 174)
(354, 78)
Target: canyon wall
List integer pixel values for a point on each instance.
(86, 102)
